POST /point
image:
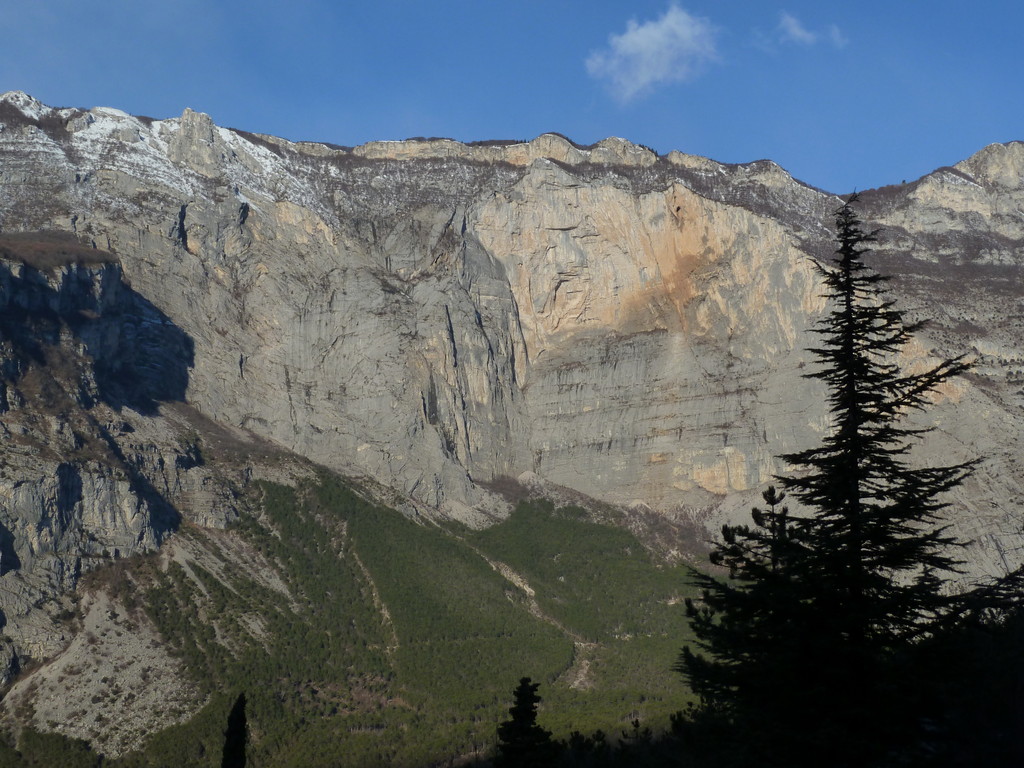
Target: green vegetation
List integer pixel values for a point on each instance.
(362, 637)
(605, 590)
(596, 580)
(45, 750)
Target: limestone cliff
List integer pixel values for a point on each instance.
(91, 471)
(440, 316)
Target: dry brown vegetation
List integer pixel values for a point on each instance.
(49, 249)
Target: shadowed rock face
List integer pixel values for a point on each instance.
(438, 315)
(139, 357)
(91, 469)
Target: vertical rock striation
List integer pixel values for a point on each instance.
(439, 316)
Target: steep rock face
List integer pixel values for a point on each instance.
(625, 301)
(91, 470)
(439, 315)
(954, 243)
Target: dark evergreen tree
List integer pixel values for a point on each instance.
(521, 742)
(809, 647)
(582, 751)
(756, 629)
(235, 736)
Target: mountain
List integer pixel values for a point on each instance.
(196, 317)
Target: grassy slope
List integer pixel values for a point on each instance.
(400, 643)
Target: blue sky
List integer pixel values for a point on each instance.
(842, 96)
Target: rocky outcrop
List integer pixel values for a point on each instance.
(439, 316)
(126, 684)
(93, 470)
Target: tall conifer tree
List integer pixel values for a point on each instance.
(807, 647)
(235, 736)
(522, 743)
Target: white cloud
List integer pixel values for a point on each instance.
(671, 49)
(837, 37)
(792, 31)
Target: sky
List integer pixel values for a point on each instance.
(843, 96)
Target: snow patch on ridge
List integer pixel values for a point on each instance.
(110, 139)
(110, 112)
(24, 103)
